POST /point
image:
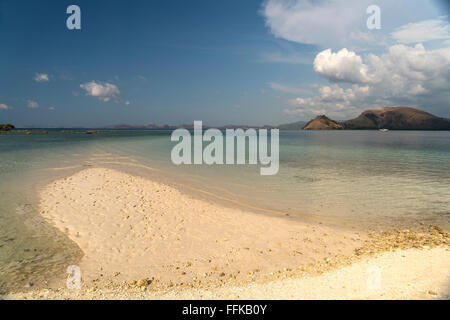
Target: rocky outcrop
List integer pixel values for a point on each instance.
(322, 123)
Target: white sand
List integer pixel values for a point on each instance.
(131, 228)
(404, 274)
(144, 229)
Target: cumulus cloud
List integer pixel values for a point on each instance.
(41, 77)
(344, 66)
(404, 75)
(332, 100)
(427, 30)
(103, 91)
(4, 106)
(51, 108)
(32, 104)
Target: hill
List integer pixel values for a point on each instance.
(397, 118)
(322, 123)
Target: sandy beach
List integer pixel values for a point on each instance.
(144, 239)
(405, 274)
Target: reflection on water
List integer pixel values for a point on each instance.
(352, 176)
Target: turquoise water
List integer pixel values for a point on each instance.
(356, 177)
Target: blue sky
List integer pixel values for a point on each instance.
(240, 62)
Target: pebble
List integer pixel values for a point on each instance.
(142, 283)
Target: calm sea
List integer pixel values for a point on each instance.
(351, 177)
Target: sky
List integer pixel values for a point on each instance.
(223, 62)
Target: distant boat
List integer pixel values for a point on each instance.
(384, 130)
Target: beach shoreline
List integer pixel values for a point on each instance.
(405, 274)
(140, 236)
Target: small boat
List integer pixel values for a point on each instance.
(384, 130)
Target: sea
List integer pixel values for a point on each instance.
(351, 179)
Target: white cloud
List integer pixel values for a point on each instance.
(312, 22)
(341, 66)
(41, 77)
(412, 64)
(51, 108)
(404, 75)
(342, 23)
(4, 107)
(103, 92)
(427, 30)
(32, 104)
(332, 100)
(127, 103)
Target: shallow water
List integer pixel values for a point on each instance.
(360, 177)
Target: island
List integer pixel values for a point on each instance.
(390, 118)
(6, 127)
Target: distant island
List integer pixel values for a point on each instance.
(293, 126)
(6, 127)
(323, 123)
(185, 126)
(392, 118)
